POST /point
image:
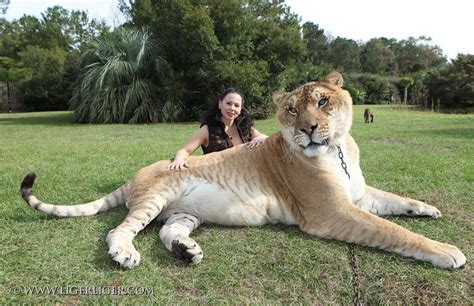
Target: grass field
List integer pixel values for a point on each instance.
(423, 155)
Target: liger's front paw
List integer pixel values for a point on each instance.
(433, 212)
(421, 209)
(187, 250)
(125, 254)
(448, 256)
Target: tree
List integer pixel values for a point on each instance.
(406, 82)
(214, 44)
(39, 54)
(45, 89)
(70, 30)
(344, 54)
(418, 94)
(316, 43)
(119, 79)
(453, 86)
(414, 55)
(461, 75)
(12, 72)
(4, 6)
(19, 34)
(378, 58)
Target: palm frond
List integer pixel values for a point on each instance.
(117, 83)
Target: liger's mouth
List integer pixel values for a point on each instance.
(314, 144)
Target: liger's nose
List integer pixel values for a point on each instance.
(309, 129)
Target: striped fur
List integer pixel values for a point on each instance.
(114, 199)
(294, 178)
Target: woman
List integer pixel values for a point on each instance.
(225, 125)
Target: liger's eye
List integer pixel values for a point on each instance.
(293, 111)
(323, 102)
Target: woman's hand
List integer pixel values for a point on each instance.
(199, 138)
(177, 165)
(256, 142)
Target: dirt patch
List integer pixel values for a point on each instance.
(393, 290)
(426, 294)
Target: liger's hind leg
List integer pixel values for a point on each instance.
(175, 235)
(120, 239)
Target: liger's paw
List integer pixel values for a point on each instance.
(125, 254)
(434, 212)
(421, 209)
(448, 256)
(187, 250)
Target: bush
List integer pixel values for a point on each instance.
(119, 82)
(369, 88)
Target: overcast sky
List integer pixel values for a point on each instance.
(449, 23)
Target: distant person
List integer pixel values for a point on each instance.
(224, 125)
(368, 116)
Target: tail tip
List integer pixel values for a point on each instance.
(27, 185)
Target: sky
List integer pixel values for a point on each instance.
(450, 24)
(99, 9)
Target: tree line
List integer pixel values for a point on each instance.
(170, 60)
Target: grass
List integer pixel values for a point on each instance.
(423, 155)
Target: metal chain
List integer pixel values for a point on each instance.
(343, 163)
(352, 256)
(355, 274)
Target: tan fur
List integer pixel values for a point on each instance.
(295, 177)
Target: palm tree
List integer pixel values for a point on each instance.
(406, 82)
(122, 80)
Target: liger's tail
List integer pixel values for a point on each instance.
(114, 199)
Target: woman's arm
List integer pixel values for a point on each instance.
(199, 138)
(257, 139)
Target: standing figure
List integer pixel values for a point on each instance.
(368, 116)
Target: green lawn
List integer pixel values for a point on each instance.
(423, 155)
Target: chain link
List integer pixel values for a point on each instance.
(352, 255)
(343, 163)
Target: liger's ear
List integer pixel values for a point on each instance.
(334, 78)
(278, 96)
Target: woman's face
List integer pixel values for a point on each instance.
(231, 106)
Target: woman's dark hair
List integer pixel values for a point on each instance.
(213, 114)
(230, 90)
